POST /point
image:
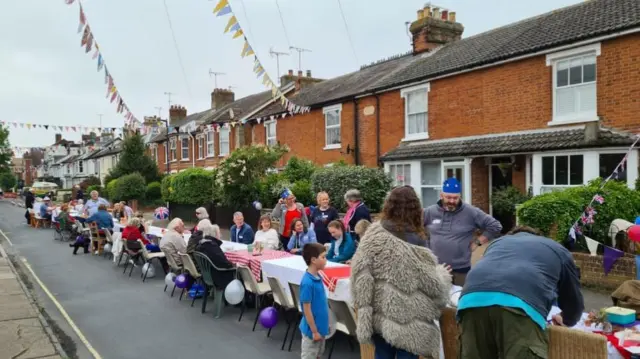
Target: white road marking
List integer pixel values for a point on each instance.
(7, 238)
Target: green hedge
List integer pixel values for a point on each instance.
(298, 169)
(563, 208)
(154, 191)
(271, 187)
(372, 183)
(130, 187)
(110, 191)
(95, 188)
(304, 192)
(191, 186)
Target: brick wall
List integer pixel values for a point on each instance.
(480, 184)
(592, 272)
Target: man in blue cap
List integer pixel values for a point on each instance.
(451, 225)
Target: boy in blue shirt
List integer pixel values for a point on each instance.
(313, 298)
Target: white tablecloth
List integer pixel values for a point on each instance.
(228, 246)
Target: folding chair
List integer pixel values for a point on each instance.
(132, 254)
(174, 267)
(345, 321)
(148, 258)
(295, 294)
(252, 286)
(284, 301)
(190, 267)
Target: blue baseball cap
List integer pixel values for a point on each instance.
(451, 186)
(286, 193)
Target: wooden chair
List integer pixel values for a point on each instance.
(190, 267)
(566, 343)
(96, 237)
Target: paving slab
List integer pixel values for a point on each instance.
(10, 287)
(24, 339)
(16, 307)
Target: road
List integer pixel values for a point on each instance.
(122, 317)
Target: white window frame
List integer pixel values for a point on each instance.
(154, 149)
(173, 149)
(325, 111)
(211, 143)
(403, 165)
(201, 143)
(270, 140)
(182, 148)
(555, 186)
(553, 60)
(224, 133)
(80, 167)
(405, 93)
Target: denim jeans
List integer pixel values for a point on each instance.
(385, 350)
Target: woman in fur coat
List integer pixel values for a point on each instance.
(398, 288)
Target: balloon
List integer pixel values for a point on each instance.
(332, 324)
(149, 269)
(168, 280)
(161, 213)
(257, 205)
(196, 291)
(234, 293)
(269, 317)
(634, 233)
(182, 281)
(637, 220)
(107, 247)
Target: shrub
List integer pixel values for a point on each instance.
(191, 186)
(130, 187)
(271, 187)
(239, 175)
(90, 181)
(372, 183)
(304, 192)
(505, 200)
(153, 191)
(111, 190)
(298, 169)
(95, 188)
(133, 159)
(7, 181)
(563, 208)
(166, 189)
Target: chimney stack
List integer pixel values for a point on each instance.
(221, 98)
(308, 73)
(433, 28)
(177, 113)
(58, 137)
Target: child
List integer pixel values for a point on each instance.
(315, 322)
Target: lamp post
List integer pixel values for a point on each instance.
(166, 146)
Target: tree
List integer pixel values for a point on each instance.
(5, 150)
(7, 181)
(134, 159)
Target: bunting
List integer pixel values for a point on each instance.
(233, 26)
(33, 126)
(89, 43)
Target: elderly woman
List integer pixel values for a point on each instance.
(92, 204)
(118, 212)
(356, 211)
(201, 213)
(173, 242)
(209, 245)
(286, 211)
(197, 236)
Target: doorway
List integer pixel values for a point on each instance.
(500, 177)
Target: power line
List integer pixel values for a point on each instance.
(344, 19)
(244, 10)
(175, 43)
(284, 28)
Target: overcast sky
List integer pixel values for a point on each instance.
(47, 78)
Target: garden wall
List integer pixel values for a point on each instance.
(592, 271)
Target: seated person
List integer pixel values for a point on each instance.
(45, 210)
(240, 231)
(266, 235)
(209, 245)
(342, 245)
(300, 235)
(118, 212)
(65, 222)
(132, 231)
(197, 235)
(128, 211)
(79, 207)
(102, 218)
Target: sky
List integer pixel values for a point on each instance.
(47, 78)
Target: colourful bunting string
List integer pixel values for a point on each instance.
(611, 256)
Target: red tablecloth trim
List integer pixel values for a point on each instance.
(244, 258)
(611, 338)
(331, 276)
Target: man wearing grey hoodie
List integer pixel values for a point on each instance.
(451, 224)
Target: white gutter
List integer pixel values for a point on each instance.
(513, 59)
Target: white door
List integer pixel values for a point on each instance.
(455, 170)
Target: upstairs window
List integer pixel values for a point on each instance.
(416, 109)
(332, 122)
(270, 131)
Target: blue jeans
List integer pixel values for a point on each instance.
(385, 350)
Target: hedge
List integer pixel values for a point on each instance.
(191, 186)
(111, 190)
(373, 184)
(563, 208)
(130, 187)
(94, 188)
(154, 191)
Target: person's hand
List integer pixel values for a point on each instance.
(317, 337)
(348, 262)
(483, 240)
(557, 320)
(294, 251)
(447, 267)
(280, 201)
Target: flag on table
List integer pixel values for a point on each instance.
(331, 275)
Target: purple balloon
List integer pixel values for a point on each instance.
(181, 281)
(269, 317)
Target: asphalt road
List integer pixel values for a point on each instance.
(122, 317)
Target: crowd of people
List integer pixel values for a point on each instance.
(403, 267)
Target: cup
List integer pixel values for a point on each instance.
(250, 248)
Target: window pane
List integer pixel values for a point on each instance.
(406, 174)
(430, 174)
(562, 78)
(608, 163)
(417, 101)
(333, 118)
(547, 171)
(333, 136)
(589, 69)
(575, 72)
(587, 96)
(430, 196)
(562, 170)
(417, 123)
(392, 173)
(565, 101)
(577, 170)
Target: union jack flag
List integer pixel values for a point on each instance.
(161, 213)
(598, 198)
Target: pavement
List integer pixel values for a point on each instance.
(120, 317)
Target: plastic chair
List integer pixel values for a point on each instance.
(148, 258)
(190, 267)
(295, 294)
(345, 321)
(174, 268)
(108, 239)
(255, 288)
(208, 270)
(132, 254)
(284, 301)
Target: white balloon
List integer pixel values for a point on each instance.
(455, 297)
(234, 293)
(168, 280)
(152, 271)
(332, 324)
(107, 248)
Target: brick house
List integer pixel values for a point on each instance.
(542, 104)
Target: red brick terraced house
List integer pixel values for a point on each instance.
(542, 104)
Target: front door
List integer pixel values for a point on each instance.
(501, 177)
(455, 170)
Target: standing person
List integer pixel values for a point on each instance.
(240, 232)
(173, 241)
(201, 213)
(29, 198)
(79, 193)
(356, 212)
(342, 245)
(321, 216)
(45, 209)
(286, 210)
(314, 325)
(399, 288)
(266, 235)
(118, 212)
(451, 224)
(506, 299)
(91, 206)
(128, 211)
(300, 235)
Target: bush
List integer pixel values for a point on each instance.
(505, 200)
(95, 188)
(154, 191)
(90, 181)
(7, 181)
(563, 208)
(110, 191)
(372, 183)
(304, 192)
(165, 188)
(298, 169)
(191, 186)
(240, 175)
(130, 187)
(133, 159)
(271, 187)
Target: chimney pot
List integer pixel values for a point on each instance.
(290, 72)
(308, 73)
(299, 73)
(436, 13)
(420, 14)
(426, 12)
(452, 16)
(434, 30)
(445, 15)
(221, 98)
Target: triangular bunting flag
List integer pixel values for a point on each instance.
(83, 20)
(245, 48)
(97, 52)
(274, 91)
(221, 4)
(258, 120)
(232, 21)
(224, 11)
(611, 255)
(46, 127)
(238, 34)
(100, 62)
(592, 245)
(28, 125)
(261, 72)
